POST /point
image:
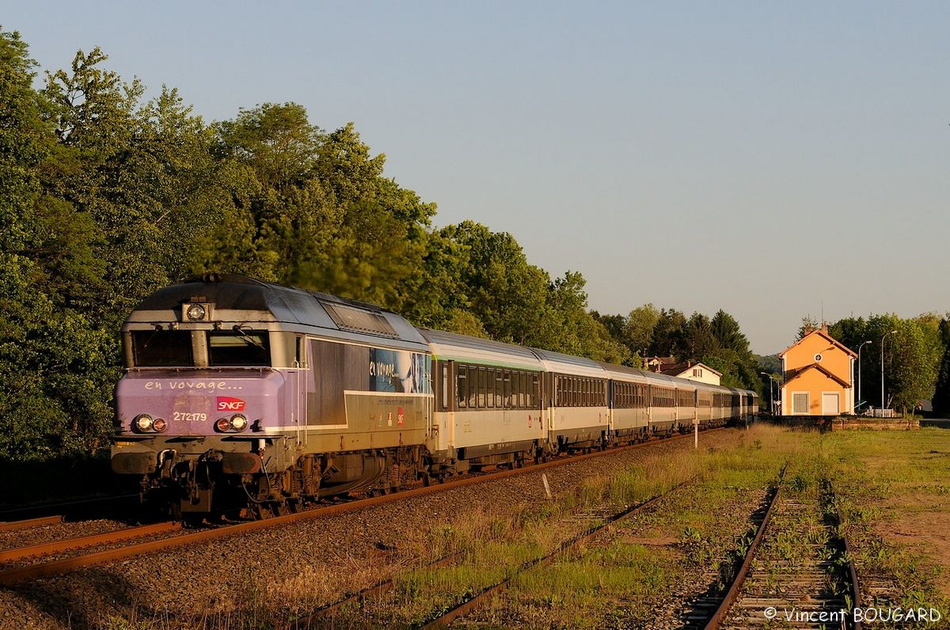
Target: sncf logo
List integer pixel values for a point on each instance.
(226, 403)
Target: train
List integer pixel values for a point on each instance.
(246, 399)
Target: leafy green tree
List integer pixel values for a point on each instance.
(941, 397)
(728, 334)
(279, 213)
(500, 288)
(54, 378)
(912, 352)
(699, 342)
(668, 334)
(638, 333)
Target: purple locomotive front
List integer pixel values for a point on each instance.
(241, 394)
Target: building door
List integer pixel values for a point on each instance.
(829, 404)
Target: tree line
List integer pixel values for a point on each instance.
(914, 354)
(108, 196)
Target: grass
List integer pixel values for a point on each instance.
(624, 579)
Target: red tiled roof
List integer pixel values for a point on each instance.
(830, 339)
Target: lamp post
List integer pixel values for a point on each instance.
(863, 343)
(883, 401)
(771, 395)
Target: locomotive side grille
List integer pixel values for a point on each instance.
(357, 320)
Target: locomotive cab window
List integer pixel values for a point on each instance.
(178, 348)
(238, 348)
(162, 348)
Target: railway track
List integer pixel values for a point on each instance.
(25, 517)
(571, 544)
(171, 535)
(67, 545)
(796, 572)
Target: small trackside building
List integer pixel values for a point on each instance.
(819, 376)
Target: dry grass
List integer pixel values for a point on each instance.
(623, 579)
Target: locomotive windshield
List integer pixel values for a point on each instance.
(162, 348)
(178, 348)
(238, 348)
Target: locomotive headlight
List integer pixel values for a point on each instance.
(196, 312)
(222, 424)
(159, 425)
(238, 422)
(143, 422)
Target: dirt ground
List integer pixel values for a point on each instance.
(922, 523)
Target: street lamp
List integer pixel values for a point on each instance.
(863, 343)
(771, 395)
(883, 402)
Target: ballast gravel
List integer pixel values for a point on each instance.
(300, 566)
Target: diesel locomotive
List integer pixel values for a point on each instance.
(242, 397)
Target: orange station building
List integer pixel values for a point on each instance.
(819, 376)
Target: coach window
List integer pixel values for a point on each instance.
(478, 386)
(445, 386)
(474, 388)
(460, 385)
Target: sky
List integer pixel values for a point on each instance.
(775, 160)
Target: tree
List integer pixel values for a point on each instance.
(726, 330)
(54, 378)
(668, 334)
(941, 397)
(638, 333)
(500, 288)
(699, 342)
(912, 352)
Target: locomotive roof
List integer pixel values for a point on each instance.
(239, 299)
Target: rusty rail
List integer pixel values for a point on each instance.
(471, 604)
(13, 526)
(733, 593)
(80, 542)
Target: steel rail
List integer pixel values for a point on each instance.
(733, 593)
(43, 521)
(13, 516)
(852, 571)
(490, 591)
(80, 542)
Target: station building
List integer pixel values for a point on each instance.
(819, 376)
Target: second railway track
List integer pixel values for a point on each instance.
(797, 571)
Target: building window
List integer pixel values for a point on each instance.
(799, 402)
(817, 358)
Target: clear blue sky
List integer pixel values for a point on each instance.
(775, 160)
